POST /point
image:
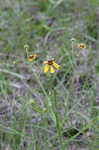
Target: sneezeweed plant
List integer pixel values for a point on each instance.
(51, 66)
(81, 45)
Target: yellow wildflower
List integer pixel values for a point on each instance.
(51, 65)
(32, 57)
(81, 45)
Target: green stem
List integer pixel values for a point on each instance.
(58, 121)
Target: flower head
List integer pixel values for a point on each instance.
(81, 45)
(51, 65)
(31, 101)
(32, 57)
(45, 110)
(26, 46)
(73, 39)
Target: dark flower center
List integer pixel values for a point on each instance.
(82, 46)
(50, 62)
(31, 56)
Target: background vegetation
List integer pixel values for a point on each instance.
(57, 111)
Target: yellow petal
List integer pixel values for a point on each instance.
(30, 59)
(35, 56)
(56, 65)
(45, 62)
(52, 69)
(46, 68)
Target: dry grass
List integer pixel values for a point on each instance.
(41, 111)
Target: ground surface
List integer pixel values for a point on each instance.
(44, 111)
